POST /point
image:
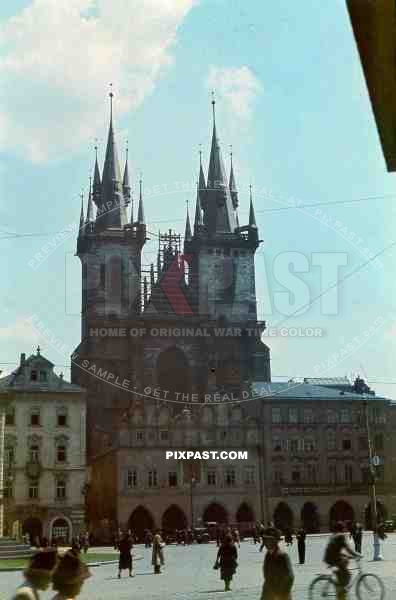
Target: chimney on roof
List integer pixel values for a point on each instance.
(23, 359)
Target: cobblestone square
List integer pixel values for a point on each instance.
(188, 574)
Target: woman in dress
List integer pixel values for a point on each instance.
(125, 560)
(227, 556)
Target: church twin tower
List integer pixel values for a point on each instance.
(195, 295)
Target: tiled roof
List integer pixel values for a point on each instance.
(306, 391)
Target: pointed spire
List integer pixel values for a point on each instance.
(232, 185)
(140, 219)
(198, 212)
(97, 185)
(159, 260)
(126, 188)
(90, 207)
(113, 213)
(81, 229)
(218, 209)
(252, 218)
(187, 233)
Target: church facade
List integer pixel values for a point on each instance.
(171, 359)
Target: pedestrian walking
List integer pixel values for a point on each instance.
(157, 557)
(226, 560)
(69, 576)
(125, 560)
(85, 542)
(301, 536)
(289, 537)
(236, 538)
(357, 536)
(277, 569)
(37, 575)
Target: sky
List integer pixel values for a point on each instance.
(291, 100)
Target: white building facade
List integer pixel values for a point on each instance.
(44, 452)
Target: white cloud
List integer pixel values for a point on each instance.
(20, 331)
(58, 58)
(237, 87)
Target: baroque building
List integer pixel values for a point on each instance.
(44, 462)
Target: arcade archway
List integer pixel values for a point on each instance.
(310, 517)
(341, 511)
(173, 518)
(283, 517)
(34, 527)
(215, 513)
(140, 520)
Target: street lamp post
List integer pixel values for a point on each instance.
(192, 483)
(373, 513)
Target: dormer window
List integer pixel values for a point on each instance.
(43, 376)
(33, 375)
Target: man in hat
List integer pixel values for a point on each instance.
(37, 575)
(277, 569)
(69, 576)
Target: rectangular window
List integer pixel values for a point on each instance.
(172, 479)
(293, 446)
(249, 476)
(333, 473)
(311, 474)
(296, 476)
(293, 415)
(348, 473)
(10, 417)
(345, 415)
(331, 416)
(308, 415)
(278, 477)
(33, 375)
(61, 453)
(60, 489)
(346, 445)
(132, 478)
(140, 436)
(331, 441)
(34, 454)
(43, 376)
(33, 489)
(9, 455)
(230, 477)
(309, 445)
(62, 420)
(35, 419)
(152, 479)
(164, 436)
(276, 445)
(8, 489)
(364, 474)
(211, 478)
(379, 442)
(276, 415)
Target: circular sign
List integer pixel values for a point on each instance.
(376, 461)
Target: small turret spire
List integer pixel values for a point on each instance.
(126, 188)
(232, 184)
(187, 233)
(252, 218)
(81, 229)
(90, 207)
(97, 185)
(198, 212)
(140, 219)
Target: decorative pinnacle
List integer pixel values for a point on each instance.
(213, 106)
(200, 154)
(126, 149)
(111, 96)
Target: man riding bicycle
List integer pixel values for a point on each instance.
(337, 554)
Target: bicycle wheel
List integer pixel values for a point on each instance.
(370, 587)
(322, 587)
